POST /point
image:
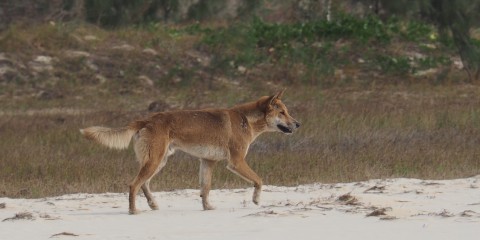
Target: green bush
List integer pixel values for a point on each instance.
(365, 29)
(432, 62)
(318, 47)
(418, 31)
(113, 13)
(396, 65)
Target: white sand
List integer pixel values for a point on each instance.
(415, 209)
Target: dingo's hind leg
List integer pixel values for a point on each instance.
(151, 151)
(146, 187)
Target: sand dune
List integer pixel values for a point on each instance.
(375, 209)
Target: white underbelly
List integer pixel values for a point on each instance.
(206, 152)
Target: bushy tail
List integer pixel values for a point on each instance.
(118, 138)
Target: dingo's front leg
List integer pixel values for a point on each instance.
(206, 167)
(244, 171)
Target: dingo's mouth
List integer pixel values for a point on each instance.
(284, 129)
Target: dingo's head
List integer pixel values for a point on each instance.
(277, 117)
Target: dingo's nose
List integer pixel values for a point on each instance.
(297, 124)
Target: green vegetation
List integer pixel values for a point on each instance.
(316, 47)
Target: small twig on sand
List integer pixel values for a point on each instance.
(445, 213)
(375, 189)
(389, 218)
(64, 234)
(348, 199)
(377, 212)
(20, 216)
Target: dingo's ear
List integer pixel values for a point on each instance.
(278, 96)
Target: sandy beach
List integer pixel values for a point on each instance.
(375, 209)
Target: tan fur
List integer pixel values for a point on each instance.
(209, 134)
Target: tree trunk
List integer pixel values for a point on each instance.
(454, 15)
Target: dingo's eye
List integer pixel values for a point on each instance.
(282, 112)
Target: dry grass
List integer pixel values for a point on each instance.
(347, 135)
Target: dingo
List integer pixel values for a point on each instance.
(210, 134)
